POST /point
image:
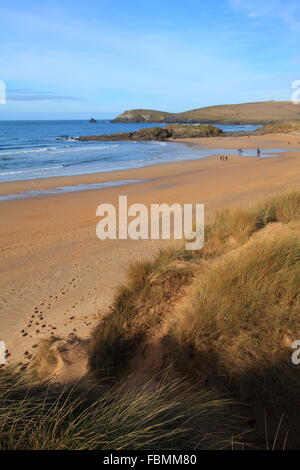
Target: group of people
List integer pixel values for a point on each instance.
(240, 152)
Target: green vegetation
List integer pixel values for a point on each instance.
(285, 127)
(233, 227)
(180, 131)
(236, 329)
(43, 416)
(245, 113)
(143, 115)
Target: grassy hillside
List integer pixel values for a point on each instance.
(143, 115)
(195, 352)
(285, 127)
(246, 113)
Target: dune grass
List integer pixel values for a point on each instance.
(284, 207)
(240, 314)
(152, 288)
(252, 294)
(155, 286)
(236, 328)
(233, 227)
(173, 416)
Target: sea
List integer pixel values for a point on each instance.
(41, 149)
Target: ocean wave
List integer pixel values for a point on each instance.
(85, 148)
(31, 170)
(150, 159)
(60, 150)
(21, 152)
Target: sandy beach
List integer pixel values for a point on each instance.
(58, 278)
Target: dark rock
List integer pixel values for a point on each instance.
(158, 133)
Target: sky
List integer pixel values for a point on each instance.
(75, 59)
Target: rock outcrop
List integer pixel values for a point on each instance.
(185, 132)
(158, 133)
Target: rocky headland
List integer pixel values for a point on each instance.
(158, 133)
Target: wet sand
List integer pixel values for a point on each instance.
(58, 278)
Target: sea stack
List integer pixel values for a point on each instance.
(92, 120)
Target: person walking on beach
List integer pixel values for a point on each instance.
(258, 152)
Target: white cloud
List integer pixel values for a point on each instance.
(25, 94)
(287, 12)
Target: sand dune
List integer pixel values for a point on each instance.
(57, 278)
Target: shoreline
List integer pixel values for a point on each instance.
(58, 278)
(266, 142)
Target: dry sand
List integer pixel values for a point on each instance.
(57, 277)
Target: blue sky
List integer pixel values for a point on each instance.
(76, 59)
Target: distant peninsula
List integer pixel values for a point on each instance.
(263, 112)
